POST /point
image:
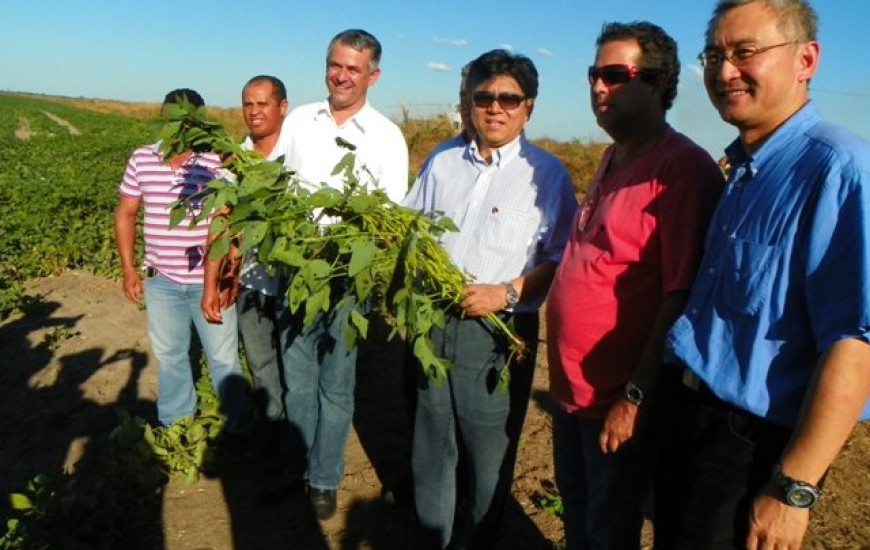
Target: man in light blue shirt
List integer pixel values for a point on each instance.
(774, 338)
(513, 204)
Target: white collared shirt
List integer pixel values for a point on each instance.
(309, 144)
(513, 213)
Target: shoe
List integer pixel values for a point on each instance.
(323, 501)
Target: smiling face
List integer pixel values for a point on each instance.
(261, 109)
(348, 77)
(767, 88)
(495, 125)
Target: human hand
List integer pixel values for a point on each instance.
(482, 300)
(132, 285)
(228, 291)
(210, 303)
(774, 525)
(620, 425)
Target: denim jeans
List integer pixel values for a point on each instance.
(602, 494)
(171, 308)
(319, 371)
(722, 460)
(259, 329)
(468, 422)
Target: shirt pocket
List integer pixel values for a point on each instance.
(509, 231)
(747, 275)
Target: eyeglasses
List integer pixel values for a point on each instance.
(508, 101)
(738, 57)
(618, 74)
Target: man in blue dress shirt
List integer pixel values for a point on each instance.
(774, 338)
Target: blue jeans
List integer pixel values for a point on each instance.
(468, 422)
(319, 371)
(171, 307)
(259, 329)
(602, 494)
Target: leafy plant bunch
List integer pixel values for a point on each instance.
(376, 255)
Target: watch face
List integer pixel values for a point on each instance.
(801, 497)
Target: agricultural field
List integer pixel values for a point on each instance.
(74, 354)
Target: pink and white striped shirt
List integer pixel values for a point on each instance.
(176, 253)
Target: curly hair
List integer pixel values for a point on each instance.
(658, 52)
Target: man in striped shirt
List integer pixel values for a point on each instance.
(173, 284)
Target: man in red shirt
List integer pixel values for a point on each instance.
(623, 279)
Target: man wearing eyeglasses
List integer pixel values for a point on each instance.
(774, 338)
(512, 203)
(629, 263)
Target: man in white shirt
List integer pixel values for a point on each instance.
(319, 368)
(264, 105)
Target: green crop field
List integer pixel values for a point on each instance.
(58, 186)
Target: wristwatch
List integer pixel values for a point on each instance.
(633, 393)
(799, 494)
(511, 296)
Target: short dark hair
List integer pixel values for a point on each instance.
(796, 19)
(658, 52)
(192, 97)
(359, 40)
(279, 91)
(498, 62)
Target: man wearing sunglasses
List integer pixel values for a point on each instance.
(631, 258)
(774, 338)
(512, 203)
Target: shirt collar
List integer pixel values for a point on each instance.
(360, 119)
(780, 139)
(503, 154)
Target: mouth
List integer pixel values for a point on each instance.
(733, 93)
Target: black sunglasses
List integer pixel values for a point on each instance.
(618, 74)
(508, 101)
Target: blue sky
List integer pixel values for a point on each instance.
(137, 51)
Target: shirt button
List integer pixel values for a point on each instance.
(694, 311)
(711, 271)
(724, 228)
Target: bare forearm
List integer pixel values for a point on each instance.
(831, 409)
(536, 282)
(125, 238)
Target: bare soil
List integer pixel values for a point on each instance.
(79, 352)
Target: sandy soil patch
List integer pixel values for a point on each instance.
(73, 131)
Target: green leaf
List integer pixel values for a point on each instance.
(252, 234)
(362, 252)
(345, 164)
(20, 501)
(177, 214)
(360, 322)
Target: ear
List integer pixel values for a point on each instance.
(373, 77)
(808, 60)
(531, 108)
(284, 106)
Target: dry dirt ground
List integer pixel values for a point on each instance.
(80, 351)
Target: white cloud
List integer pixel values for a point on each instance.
(507, 47)
(451, 41)
(437, 66)
(545, 52)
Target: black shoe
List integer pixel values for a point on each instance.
(323, 501)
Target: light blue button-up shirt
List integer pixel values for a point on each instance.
(786, 272)
(513, 213)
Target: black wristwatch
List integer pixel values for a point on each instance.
(511, 296)
(799, 494)
(633, 394)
